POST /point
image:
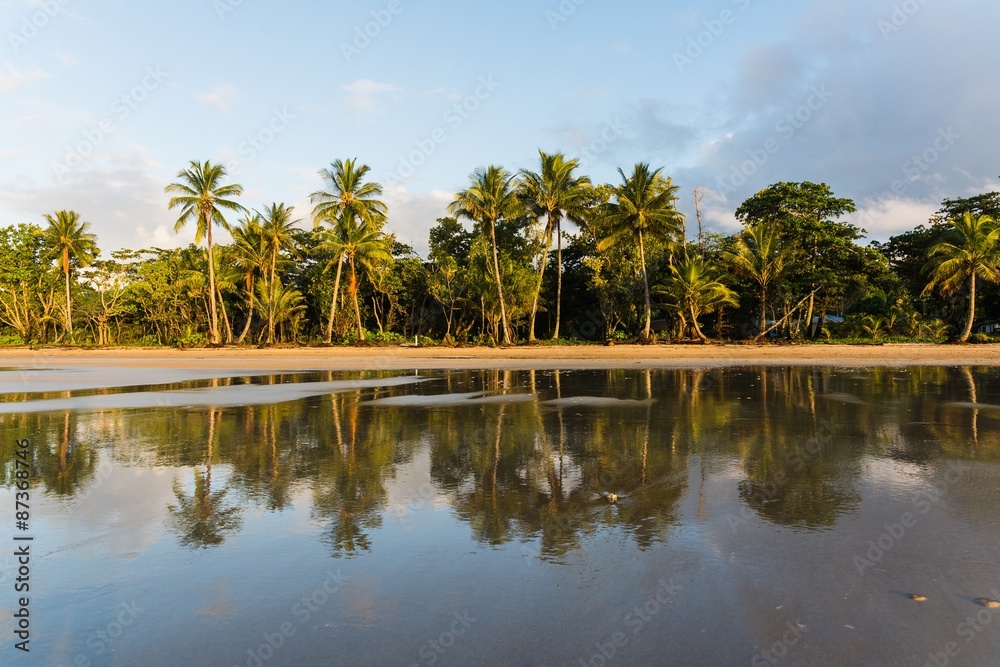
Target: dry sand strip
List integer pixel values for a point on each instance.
(533, 357)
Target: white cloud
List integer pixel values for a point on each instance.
(11, 78)
(220, 98)
(367, 98)
(119, 192)
(883, 218)
(411, 215)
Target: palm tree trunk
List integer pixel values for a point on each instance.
(352, 287)
(246, 327)
(69, 303)
(538, 291)
(972, 310)
(270, 311)
(225, 319)
(214, 318)
(559, 271)
(333, 304)
(645, 285)
(763, 309)
(496, 275)
(809, 315)
(697, 327)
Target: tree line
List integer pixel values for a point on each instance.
(521, 256)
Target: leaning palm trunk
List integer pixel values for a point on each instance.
(763, 312)
(333, 304)
(246, 327)
(496, 275)
(538, 290)
(972, 310)
(225, 319)
(696, 326)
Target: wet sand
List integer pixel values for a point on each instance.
(535, 357)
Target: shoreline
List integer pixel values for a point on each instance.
(527, 358)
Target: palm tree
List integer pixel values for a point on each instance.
(359, 246)
(348, 199)
(553, 193)
(491, 197)
(758, 257)
(202, 197)
(348, 192)
(278, 234)
(969, 250)
(71, 241)
(279, 302)
(332, 243)
(643, 210)
(696, 290)
(251, 259)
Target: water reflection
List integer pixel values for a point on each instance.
(527, 464)
(203, 518)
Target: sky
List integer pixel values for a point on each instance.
(890, 102)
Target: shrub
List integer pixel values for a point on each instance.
(10, 340)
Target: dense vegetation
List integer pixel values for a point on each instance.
(503, 268)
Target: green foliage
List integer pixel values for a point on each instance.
(513, 273)
(968, 251)
(191, 338)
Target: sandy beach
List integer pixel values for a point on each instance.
(537, 357)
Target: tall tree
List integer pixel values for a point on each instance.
(759, 256)
(362, 248)
(969, 250)
(202, 197)
(348, 191)
(347, 202)
(251, 259)
(643, 210)
(808, 218)
(491, 197)
(553, 193)
(278, 234)
(71, 241)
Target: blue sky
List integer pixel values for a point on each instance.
(890, 102)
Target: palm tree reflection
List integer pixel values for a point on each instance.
(204, 518)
